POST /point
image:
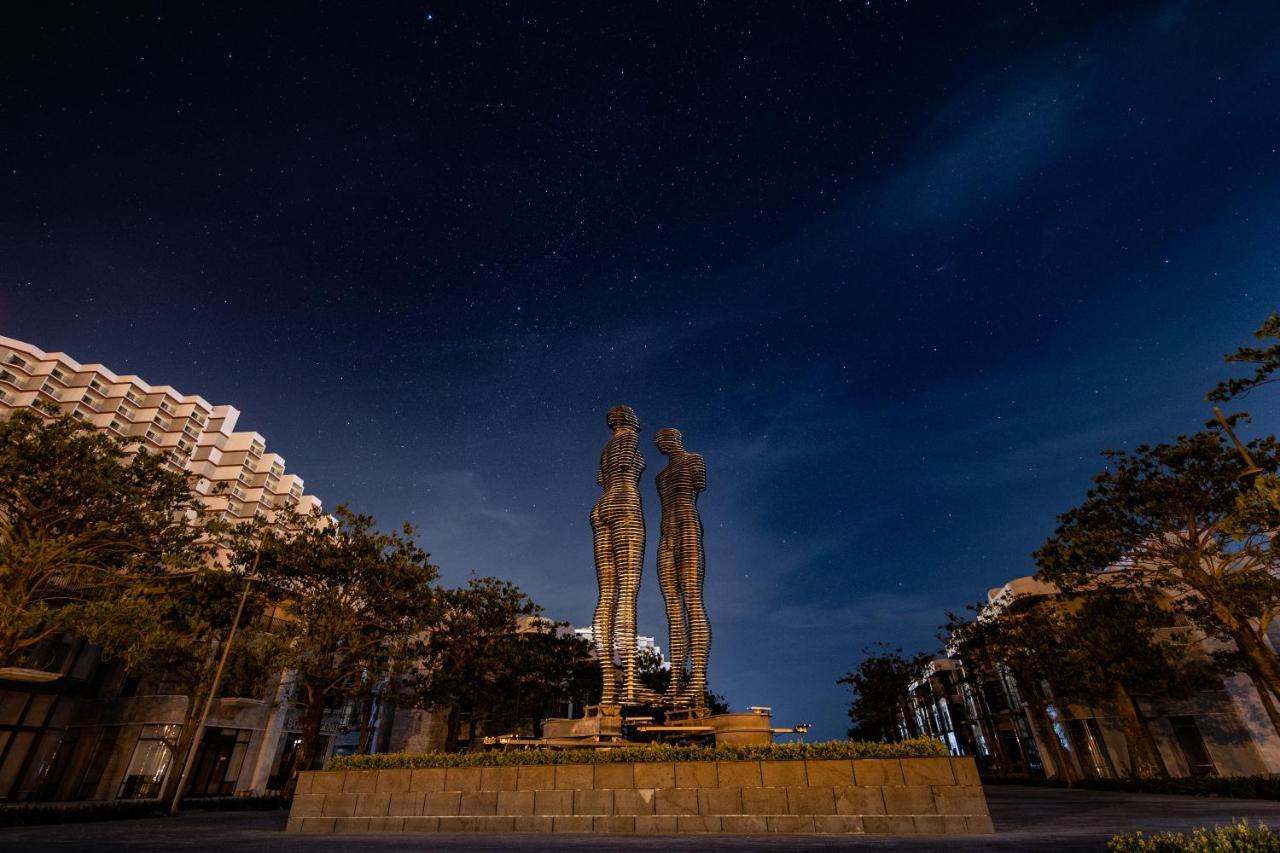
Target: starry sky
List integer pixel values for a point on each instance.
(899, 270)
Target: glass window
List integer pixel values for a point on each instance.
(152, 756)
(97, 764)
(1193, 748)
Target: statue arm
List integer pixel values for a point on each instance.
(699, 474)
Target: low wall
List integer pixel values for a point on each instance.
(880, 795)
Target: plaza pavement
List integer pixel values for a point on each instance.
(1025, 819)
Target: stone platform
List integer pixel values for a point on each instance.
(875, 796)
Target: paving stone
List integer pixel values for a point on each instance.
(620, 775)
(499, 778)
(318, 824)
(979, 824)
(311, 805)
(386, 824)
(858, 801)
(294, 825)
(836, 824)
(746, 824)
(478, 803)
(372, 805)
(613, 823)
(827, 773)
(635, 801)
(764, 801)
(930, 824)
(811, 801)
(790, 823)
(675, 801)
(656, 824)
(515, 803)
(462, 779)
(575, 777)
(553, 802)
(441, 803)
(350, 824)
(393, 781)
(698, 823)
(782, 774)
(954, 824)
(738, 774)
(570, 823)
(659, 774)
(927, 771)
(877, 772)
(888, 825)
(427, 779)
(913, 801)
(304, 782)
(696, 774)
(360, 782)
(593, 802)
(327, 783)
(526, 823)
(340, 805)
(421, 824)
(965, 771)
(960, 799)
(406, 804)
(720, 801)
(535, 778)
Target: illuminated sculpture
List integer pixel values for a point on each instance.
(681, 567)
(617, 527)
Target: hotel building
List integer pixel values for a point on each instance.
(83, 729)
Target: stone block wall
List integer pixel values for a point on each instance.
(881, 796)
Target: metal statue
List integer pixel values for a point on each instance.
(617, 526)
(681, 567)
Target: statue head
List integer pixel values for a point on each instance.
(622, 416)
(669, 440)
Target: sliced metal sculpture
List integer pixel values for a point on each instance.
(617, 527)
(681, 569)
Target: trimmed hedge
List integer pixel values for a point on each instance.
(916, 748)
(1236, 838)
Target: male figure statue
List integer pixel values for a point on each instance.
(617, 527)
(681, 566)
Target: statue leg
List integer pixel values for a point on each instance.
(677, 647)
(629, 555)
(692, 573)
(606, 611)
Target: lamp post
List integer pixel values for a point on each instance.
(194, 748)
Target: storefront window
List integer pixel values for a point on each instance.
(152, 757)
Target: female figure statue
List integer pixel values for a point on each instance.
(617, 528)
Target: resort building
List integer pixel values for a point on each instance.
(1222, 730)
(78, 728)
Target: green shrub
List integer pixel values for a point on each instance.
(916, 748)
(1236, 838)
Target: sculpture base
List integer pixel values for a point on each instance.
(600, 724)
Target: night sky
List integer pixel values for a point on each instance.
(899, 270)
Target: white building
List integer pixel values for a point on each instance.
(642, 643)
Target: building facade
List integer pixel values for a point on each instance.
(1220, 731)
(83, 729)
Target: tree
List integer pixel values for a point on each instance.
(1266, 360)
(171, 629)
(492, 660)
(1027, 642)
(1176, 518)
(353, 598)
(880, 685)
(81, 520)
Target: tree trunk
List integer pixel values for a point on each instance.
(312, 720)
(186, 735)
(366, 713)
(1267, 698)
(452, 728)
(1144, 756)
(1038, 718)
